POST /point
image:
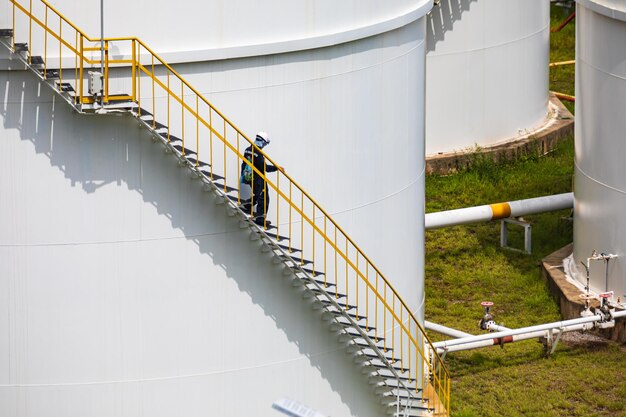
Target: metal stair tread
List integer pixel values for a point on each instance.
(141, 112)
(36, 60)
(6, 33)
(64, 87)
(228, 188)
(48, 73)
(417, 404)
(287, 248)
(363, 326)
(171, 138)
(205, 170)
(297, 259)
(344, 305)
(322, 283)
(331, 293)
(384, 367)
(375, 356)
(20, 47)
(195, 162)
(346, 313)
(180, 149)
(276, 237)
(404, 396)
(387, 385)
(153, 124)
(390, 376)
(356, 334)
(311, 271)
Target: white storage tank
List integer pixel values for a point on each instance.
(600, 172)
(127, 291)
(487, 72)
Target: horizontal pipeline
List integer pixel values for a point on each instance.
(558, 64)
(499, 211)
(565, 97)
(448, 331)
(516, 335)
(447, 344)
(499, 341)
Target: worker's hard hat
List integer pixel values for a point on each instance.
(264, 137)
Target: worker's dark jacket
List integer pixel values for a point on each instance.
(258, 162)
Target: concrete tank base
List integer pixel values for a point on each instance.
(558, 126)
(568, 295)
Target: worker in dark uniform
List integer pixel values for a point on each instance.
(260, 197)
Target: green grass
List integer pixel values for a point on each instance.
(465, 265)
(562, 48)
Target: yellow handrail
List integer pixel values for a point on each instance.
(201, 121)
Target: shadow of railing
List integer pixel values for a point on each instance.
(441, 19)
(121, 153)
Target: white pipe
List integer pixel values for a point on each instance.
(496, 327)
(514, 338)
(445, 330)
(617, 314)
(515, 332)
(499, 211)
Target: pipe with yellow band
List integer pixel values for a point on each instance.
(499, 211)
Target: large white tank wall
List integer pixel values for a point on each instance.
(347, 123)
(126, 291)
(189, 30)
(346, 116)
(600, 176)
(486, 72)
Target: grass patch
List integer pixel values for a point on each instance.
(562, 48)
(464, 265)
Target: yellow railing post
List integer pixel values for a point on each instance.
(76, 65)
(168, 106)
(182, 117)
(325, 248)
(133, 74)
(82, 67)
(61, 55)
(238, 182)
(347, 282)
(211, 141)
(198, 132)
(278, 205)
(224, 136)
(313, 243)
(290, 215)
(336, 276)
(356, 282)
(45, 45)
(30, 32)
(302, 230)
(106, 71)
(13, 37)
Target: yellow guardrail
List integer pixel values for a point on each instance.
(210, 141)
